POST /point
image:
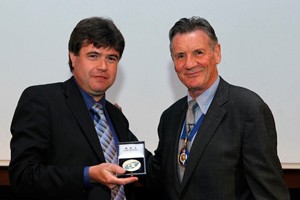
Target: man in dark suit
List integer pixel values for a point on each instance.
(229, 150)
(55, 150)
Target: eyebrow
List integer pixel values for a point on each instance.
(98, 53)
(93, 52)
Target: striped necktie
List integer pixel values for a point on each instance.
(108, 145)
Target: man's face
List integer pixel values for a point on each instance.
(95, 69)
(195, 61)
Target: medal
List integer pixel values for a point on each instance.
(189, 132)
(131, 165)
(183, 156)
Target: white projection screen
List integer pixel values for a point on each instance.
(260, 43)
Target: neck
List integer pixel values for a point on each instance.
(195, 92)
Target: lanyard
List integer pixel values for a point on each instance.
(193, 131)
(184, 152)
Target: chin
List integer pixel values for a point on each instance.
(195, 86)
(96, 93)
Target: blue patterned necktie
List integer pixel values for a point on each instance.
(108, 145)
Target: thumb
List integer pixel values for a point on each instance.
(117, 169)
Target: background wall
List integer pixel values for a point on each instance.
(260, 48)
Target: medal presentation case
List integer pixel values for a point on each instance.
(132, 158)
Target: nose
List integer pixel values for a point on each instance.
(102, 65)
(190, 62)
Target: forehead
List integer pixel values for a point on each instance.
(91, 48)
(195, 39)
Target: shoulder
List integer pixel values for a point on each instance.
(43, 87)
(237, 94)
(50, 89)
(45, 94)
(245, 97)
(41, 90)
(241, 99)
(176, 107)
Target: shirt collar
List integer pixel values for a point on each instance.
(204, 100)
(88, 99)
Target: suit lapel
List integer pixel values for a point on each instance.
(207, 130)
(116, 122)
(76, 104)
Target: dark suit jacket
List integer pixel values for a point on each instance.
(54, 139)
(233, 155)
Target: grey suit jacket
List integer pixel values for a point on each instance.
(233, 156)
(54, 139)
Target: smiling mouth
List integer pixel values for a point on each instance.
(194, 72)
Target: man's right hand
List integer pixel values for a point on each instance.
(105, 173)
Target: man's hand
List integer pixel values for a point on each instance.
(105, 173)
(118, 106)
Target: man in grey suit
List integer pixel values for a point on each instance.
(229, 150)
(56, 151)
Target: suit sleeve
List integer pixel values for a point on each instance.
(154, 175)
(30, 171)
(261, 163)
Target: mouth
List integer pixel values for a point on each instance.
(100, 77)
(194, 72)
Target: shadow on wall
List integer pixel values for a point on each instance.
(178, 89)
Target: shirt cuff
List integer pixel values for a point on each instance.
(86, 177)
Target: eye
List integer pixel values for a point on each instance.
(179, 56)
(198, 52)
(112, 59)
(93, 56)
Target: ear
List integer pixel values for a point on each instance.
(72, 57)
(217, 52)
